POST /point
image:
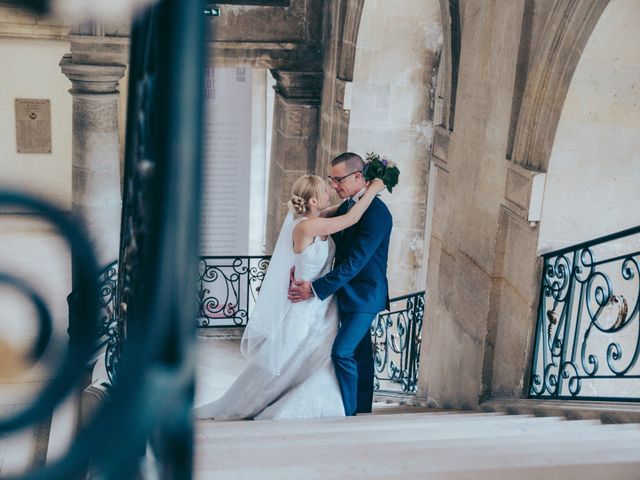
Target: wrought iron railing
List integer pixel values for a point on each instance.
(109, 332)
(228, 287)
(108, 336)
(396, 337)
(588, 329)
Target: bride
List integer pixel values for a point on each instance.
(288, 345)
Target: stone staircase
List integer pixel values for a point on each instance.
(421, 444)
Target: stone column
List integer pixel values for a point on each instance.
(96, 197)
(294, 140)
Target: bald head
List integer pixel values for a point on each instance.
(352, 161)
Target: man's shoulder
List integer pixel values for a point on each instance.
(379, 207)
(377, 211)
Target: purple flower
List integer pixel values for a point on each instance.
(384, 162)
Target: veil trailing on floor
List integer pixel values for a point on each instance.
(262, 340)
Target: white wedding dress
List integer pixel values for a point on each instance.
(306, 386)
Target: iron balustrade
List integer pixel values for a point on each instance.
(227, 291)
(587, 339)
(109, 335)
(228, 287)
(396, 336)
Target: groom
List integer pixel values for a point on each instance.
(359, 281)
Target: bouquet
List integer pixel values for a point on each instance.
(383, 169)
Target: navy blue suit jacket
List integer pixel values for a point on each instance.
(359, 275)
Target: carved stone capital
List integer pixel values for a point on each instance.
(301, 87)
(92, 79)
(524, 191)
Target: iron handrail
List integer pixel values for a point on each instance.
(591, 243)
(588, 323)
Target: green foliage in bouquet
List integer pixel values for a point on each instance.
(382, 168)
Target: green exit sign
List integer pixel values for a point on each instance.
(212, 11)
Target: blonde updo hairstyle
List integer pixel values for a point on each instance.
(304, 189)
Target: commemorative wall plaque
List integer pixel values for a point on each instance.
(33, 125)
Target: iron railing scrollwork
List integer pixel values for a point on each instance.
(587, 340)
(396, 337)
(227, 290)
(83, 331)
(228, 287)
(108, 319)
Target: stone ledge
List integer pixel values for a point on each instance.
(19, 23)
(220, 333)
(441, 138)
(270, 55)
(38, 32)
(400, 398)
(99, 50)
(606, 412)
(523, 191)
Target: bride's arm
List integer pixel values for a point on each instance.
(317, 227)
(329, 211)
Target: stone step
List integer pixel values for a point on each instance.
(453, 440)
(494, 433)
(370, 418)
(592, 471)
(608, 412)
(427, 445)
(373, 423)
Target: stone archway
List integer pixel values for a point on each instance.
(573, 128)
(515, 66)
(568, 27)
(592, 175)
(591, 191)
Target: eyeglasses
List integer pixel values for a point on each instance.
(339, 179)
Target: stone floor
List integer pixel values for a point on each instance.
(441, 445)
(397, 443)
(219, 362)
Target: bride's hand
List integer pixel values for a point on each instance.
(377, 185)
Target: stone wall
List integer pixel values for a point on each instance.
(469, 186)
(537, 93)
(34, 73)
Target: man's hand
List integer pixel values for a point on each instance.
(300, 291)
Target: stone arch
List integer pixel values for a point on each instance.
(349, 38)
(448, 65)
(567, 108)
(342, 25)
(568, 27)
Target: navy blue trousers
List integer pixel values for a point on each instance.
(352, 356)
